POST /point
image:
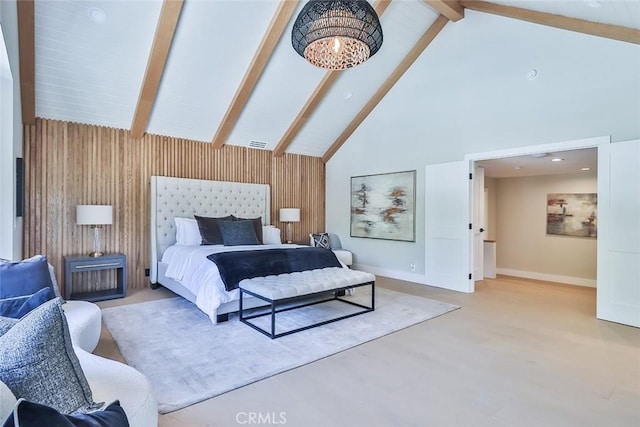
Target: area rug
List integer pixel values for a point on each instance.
(188, 359)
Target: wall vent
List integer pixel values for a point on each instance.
(261, 145)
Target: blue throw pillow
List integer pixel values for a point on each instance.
(24, 278)
(19, 306)
(236, 233)
(29, 414)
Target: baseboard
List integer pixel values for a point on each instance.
(392, 274)
(569, 280)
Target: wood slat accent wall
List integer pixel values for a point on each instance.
(68, 164)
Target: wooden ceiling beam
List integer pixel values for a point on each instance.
(165, 31)
(255, 70)
(451, 9)
(27, 55)
(408, 60)
(330, 77)
(616, 32)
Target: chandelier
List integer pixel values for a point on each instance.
(337, 34)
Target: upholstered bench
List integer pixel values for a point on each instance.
(285, 292)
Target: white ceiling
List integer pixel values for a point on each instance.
(92, 72)
(541, 164)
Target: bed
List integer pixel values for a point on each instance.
(184, 269)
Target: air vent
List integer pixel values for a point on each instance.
(260, 145)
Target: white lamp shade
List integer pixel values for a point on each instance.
(94, 214)
(289, 215)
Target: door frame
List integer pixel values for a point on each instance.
(577, 144)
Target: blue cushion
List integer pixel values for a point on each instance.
(236, 233)
(25, 277)
(19, 306)
(30, 414)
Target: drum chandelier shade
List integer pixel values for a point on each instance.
(337, 34)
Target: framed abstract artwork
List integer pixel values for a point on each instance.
(383, 206)
(572, 214)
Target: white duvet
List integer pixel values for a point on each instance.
(190, 266)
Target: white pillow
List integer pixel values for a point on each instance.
(187, 231)
(271, 235)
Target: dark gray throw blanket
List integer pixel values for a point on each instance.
(236, 266)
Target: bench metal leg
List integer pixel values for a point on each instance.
(274, 309)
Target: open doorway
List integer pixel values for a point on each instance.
(522, 234)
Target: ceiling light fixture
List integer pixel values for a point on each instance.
(337, 34)
(539, 155)
(585, 169)
(557, 159)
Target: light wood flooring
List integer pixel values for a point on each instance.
(518, 353)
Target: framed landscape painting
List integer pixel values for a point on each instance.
(572, 214)
(383, 206)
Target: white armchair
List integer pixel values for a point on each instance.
(343, 255)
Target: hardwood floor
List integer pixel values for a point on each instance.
(518, 353)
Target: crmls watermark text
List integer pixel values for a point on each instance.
(261, 418)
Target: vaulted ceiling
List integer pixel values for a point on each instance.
(224, 71)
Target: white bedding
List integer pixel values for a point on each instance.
(189, 266)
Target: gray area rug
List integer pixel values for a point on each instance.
(188, 359)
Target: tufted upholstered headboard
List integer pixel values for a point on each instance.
(183, 197)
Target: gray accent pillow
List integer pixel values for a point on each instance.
(37, 361)
(257, 226)
(210, 230)
(236, 233)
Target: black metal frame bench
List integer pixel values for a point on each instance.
(304, 293)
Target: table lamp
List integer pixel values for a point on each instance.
(96, 216)
(289, 215)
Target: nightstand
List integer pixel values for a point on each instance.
(90, 268)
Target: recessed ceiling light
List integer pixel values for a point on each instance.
(593, 3)
(348, 94)
(517, 167)
(557, 159)
(539, 155)
(585, 169)
(97, 15)
(532, 74)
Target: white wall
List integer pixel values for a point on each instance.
(524, 249)
(10, 133)
(468, 93)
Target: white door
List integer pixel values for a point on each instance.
(479, 223)
(618, 290)
(447, 234)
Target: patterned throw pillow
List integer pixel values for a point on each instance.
(321, 240)
(38, 363)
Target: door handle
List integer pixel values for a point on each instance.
(482, 230)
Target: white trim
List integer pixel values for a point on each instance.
(578, 281)
(541, 148)
(392, 274)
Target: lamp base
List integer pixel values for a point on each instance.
(96, 254)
